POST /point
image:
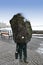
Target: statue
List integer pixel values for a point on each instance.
(22, 34)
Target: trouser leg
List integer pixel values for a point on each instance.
(17, 47)
(25, 52)
(20, 51)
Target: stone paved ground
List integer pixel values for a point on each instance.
(7, 56)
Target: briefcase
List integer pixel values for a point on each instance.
(16, 55)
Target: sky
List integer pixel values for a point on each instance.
(30, 9)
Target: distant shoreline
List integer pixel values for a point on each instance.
(37, 32)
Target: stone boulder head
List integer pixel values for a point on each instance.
(22, 31)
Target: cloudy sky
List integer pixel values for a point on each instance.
(31, 10)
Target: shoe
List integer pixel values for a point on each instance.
(26, 61)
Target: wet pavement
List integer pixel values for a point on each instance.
(8, 48)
